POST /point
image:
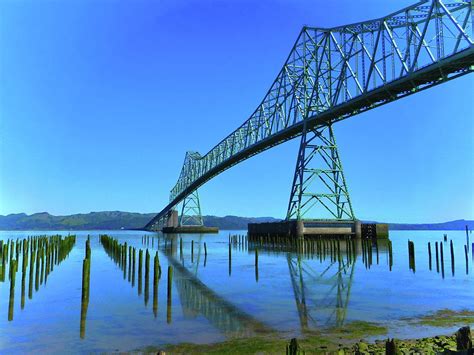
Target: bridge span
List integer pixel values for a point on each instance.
(332, 74)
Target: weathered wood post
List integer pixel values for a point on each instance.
(85, 279)
(38, 255)
(140, 263)
(230, 260)
(429, 254)
(30, 279)
(129, 262)
(437, 257)
(467, 259)
(452, 256)
(11, 301)
(411, 255)
(23, 275)
(169, 294)
(464, 340)
(390, 255)
(155, 284)
(467, 236)
(391, 347)
(147, 277)
(442, 258)
(256, 264)
(133, 265)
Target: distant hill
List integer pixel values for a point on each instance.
(113, 220)
(108, 220)
(452, 225)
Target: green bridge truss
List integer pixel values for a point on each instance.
(332, 74)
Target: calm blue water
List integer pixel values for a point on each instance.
(293, 293)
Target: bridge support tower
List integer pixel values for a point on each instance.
(319, 189)
(190, 220)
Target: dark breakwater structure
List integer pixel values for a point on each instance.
(37, 256)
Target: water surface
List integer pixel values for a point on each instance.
(213, 301)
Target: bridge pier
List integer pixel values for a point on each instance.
(317, 228)
(190, 220)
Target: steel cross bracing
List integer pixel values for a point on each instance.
(332, 74)
(319, 186)
(191, 211)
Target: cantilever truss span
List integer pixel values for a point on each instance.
(335, 73)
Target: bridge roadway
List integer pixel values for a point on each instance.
(419, 73)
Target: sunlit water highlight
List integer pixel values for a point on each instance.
(212, 302)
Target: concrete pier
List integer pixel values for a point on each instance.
(190, 229)
(302, 228)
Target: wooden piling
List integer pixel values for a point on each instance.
(37, 270)
(88, 248)
(467, 259)
(85, 279)
(390, 255)
(155, 284)
(147, 276)
(429, 254)
(467, 236)
(140, 263)
(169, 294)
(11, 301)
(452, 257)
(411, 255)
(23, 276)
(30, 279)
(230, 260)
(442, 258)
(129, 263)
(256, 264)
(133, 266)
(437, 257)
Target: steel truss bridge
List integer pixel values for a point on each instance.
(332, 74)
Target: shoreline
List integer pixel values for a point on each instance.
(356, 337)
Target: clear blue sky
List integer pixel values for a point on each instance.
(99, 101)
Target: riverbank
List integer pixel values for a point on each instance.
(316, 345)
(352, 338)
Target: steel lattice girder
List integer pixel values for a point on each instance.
(191, 211)
(319, 185)
(335, 73)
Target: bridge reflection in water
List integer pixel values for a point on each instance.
(321, 282)
(196, 298)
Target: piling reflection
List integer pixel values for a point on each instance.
(196, 298)
(125, 258)
(321, 272)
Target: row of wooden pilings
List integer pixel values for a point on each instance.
(439, 256)
(240, 242)
(125, 257)
(40, 254)
(343, 248)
